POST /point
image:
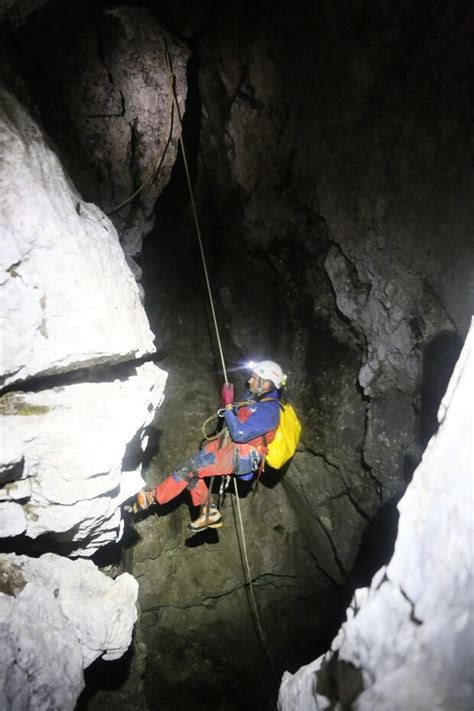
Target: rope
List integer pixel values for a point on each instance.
(216, 416)
(193, 204)
(253, 602)
(155, 169)
(242, 542)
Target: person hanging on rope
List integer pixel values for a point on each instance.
(239, 449)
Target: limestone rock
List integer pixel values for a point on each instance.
(82, 446)
(11, 461)
(66, 291)
(12, 519)
(50, 631)
(407, 642)
(112, 116)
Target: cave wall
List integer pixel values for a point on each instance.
(407, 641)
(78, 389)
(50, 632)
(332, 186)
(69, 304)
(334, 245)
(103, 91)
(337, 140)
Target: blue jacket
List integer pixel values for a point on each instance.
(264, 418)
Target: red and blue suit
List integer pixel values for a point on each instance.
(239, 450)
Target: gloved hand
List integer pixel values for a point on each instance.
(227, 394)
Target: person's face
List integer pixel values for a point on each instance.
(257, 385)
(253, 382)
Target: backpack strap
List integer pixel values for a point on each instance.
(272, 399)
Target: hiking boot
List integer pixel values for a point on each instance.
(145, 499)
(208, 518)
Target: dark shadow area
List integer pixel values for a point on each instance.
(153, 446)
(376, 548)
(45, 53)
(96, 373)
(271, 477)
(340, 681)
(12, 473)
(102, 675)
(227, 691)
(375, 551)
(410, 463)
(60, 543)
(118, 554)
(439, 359)
(210, 536)
(134, 455)
(35, 547)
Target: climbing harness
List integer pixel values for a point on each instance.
(217, 416)
(242, 542)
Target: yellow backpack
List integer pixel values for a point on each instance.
(287, 436)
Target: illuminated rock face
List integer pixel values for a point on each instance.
(407, 642)
(71, 451)
(68, 298)
(50, 631)
(103, 91)
(80, 448)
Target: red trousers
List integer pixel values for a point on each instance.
(214, 459)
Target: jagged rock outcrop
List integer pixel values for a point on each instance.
(68, 298)
(50, 631)
(103, 89)
(81, 447)
(407, 642)
(71, 448)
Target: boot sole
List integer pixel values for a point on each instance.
(217, 524)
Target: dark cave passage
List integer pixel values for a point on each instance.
(326, 149)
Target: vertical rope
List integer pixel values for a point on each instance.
(253, 602)
(193, 204)
(242, 541)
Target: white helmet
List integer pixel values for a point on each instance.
(269, 370)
